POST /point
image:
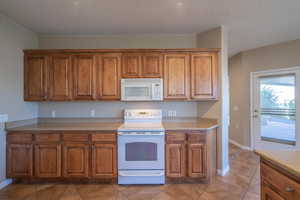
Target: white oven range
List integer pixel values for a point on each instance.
(141, 148)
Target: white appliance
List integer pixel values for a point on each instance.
(141, 148)
(142, 89)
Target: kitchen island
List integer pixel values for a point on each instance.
(86, 149)
(280, 174)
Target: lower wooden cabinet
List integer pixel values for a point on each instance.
(104, 160)
(197, 160)
(19, 160)
(76, 160)
(175, 160)
(277, 183)
(191, 155)
(268, 194)
(47, 160)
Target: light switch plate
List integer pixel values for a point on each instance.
(3, 118)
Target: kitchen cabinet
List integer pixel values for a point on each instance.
(61, 155)
(277, 183)
(47, 160)
(108, 77)
(176, 76)
(152, 65)
(104, 160)
(131, 63)
(196, 160)
(76, 160)
(175, 161)
(19, 160)
(204, 76)
(89, 75)
(191, 154)
(60, 78)
(35, 77)
(146, 65)
(269, 194)
(84, 76)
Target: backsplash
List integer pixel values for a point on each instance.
(107, 109)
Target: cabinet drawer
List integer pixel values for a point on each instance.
(176, 137)
(47, 137)
(287, 187)
(104, 137)
(19, 137)
(75, 137)
(196, 137)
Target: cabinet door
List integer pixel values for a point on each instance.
(197, 160)
(104, 160)
(84, 77)
(204, 76)
(75, 160)
(35, 77)
(268, 194)
(60, 78)
(176, 78)
(19, 160)
(175, 160)
(152, 66)
(108, 77)
(47, 160)
(131, 64)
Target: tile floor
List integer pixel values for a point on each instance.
(241, 183)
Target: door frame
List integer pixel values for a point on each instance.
(253, 75)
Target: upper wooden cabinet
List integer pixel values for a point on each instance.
(60, 78)
(131, 64)
(152, 65)
(65, 75)
(204, 76)
(35, 77)
(177, 76)
(147, 65)
(84, 77)
(108, 76)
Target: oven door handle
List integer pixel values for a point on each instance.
(161, 173)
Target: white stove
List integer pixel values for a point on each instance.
(141, 148)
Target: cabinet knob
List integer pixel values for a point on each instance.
(289, 189)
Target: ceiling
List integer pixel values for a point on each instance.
(251, 23)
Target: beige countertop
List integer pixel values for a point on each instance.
(107, 125)
(288, 160)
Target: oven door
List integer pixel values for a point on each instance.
(141, 152)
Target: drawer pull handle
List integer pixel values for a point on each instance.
(289, 189)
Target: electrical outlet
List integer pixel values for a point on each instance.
(53, 113)
(174, 113)
(3, 118)
(93, 113)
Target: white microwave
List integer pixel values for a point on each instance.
(142, 89)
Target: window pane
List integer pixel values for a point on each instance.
(277, 108)
(141, 151)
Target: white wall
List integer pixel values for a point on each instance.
(13, 39)
(282, 55)
(118, 41)
(108, 109)
(218, 38)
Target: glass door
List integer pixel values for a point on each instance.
(274, 108)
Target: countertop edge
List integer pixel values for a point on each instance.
(281, 165)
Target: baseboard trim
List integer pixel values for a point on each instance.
(5, 183)
(240, 145)
(224, 171)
